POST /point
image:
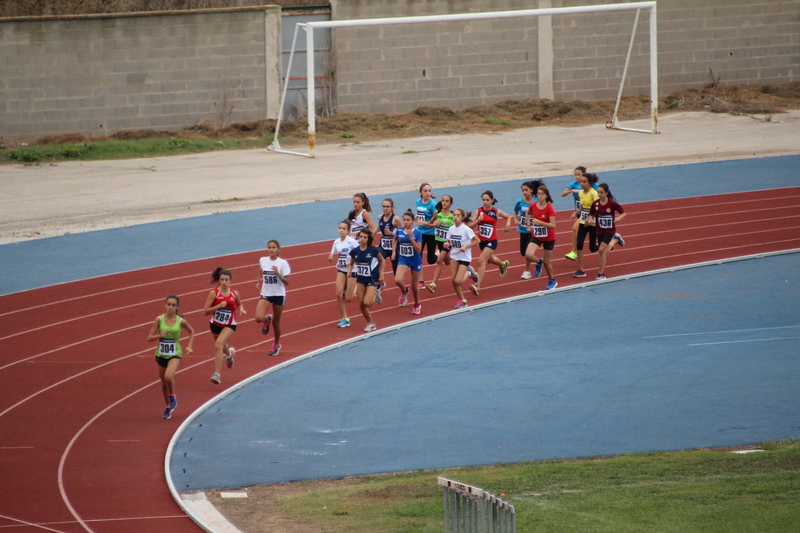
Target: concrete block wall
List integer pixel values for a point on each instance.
(395, 69)
(99, 75)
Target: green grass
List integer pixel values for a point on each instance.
(692, 491)
(498, 121)
(123, 149)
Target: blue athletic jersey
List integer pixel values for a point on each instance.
(405, 252)
(425, 213)
(365, 264)
(521, 210)
(386, 240)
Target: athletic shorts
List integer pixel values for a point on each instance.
(415, 265)
(605, 238)
(369, 282)
(488, 244)
(164, 361)
(465, 263)
(216, 329)
(275, 300)
(524, 241)
(547, 245)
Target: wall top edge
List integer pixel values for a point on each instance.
(93, 16)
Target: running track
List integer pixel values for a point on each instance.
(81, 440)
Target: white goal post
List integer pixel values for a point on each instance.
(309, 28)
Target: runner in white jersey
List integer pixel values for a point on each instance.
(273, 278)
(360, 216)
(459, 243)
(345, 284)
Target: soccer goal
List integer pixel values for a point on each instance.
(309, 28)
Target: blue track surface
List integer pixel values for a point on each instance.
(44, 262)
(698, 358)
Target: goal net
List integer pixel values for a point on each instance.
(355, 23)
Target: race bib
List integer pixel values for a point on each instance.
(523, 218)
(485, 230)
(386, 243)
(270, 278)
(420, 218)
(584, 214)
(341, 263)
(406, 250)
(455, 243)
(605, 221)
(577, 204)
(539, 231)
(223, 316)
(363, 270)
(441, 233)
(167, 347)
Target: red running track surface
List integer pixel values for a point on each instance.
(82, 441)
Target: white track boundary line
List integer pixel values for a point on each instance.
(178, 432)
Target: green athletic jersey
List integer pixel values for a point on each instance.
(441, 231)
(170, 345)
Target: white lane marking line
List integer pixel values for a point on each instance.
(24, 522)
(737, 342)
(717, 332)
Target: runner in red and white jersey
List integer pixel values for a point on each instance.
(485, 226)
(603, 212)
(542, 227)
(222, 303)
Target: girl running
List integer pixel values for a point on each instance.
(521, 221)
(587, 197)
(441, 222)
(387, 223)
(366, 263)
(574, 188)
(603, 213)
(407, 245)
(166, 329)
(425, 210)
(272, 273)
(221, 304)
(486, 222)
(345, 284)
(360, 216)
(542, 227)
(459, 243)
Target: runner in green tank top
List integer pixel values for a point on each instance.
(441, 221)
(166, 329)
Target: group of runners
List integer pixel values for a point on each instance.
(445, 236)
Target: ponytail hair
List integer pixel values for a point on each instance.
(582, 169)
(490, 195)
(546, 191)
(423, 186)
(604, 186)
(219, 271)
(465, 215)
(409, 213)
(591, 178)
(365, 203)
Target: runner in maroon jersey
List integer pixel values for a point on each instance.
(603, 213)
(485, 226)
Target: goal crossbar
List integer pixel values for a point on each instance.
(309, 28)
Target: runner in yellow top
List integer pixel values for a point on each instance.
(166, 329)
(587, 197)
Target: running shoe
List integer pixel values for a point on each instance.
(167, 414)
(378, 297)
(537, 270)
(579, 274)
(420, 284)
(600, 277)
(526, 274)
(173, 402)
(229, 359)
(215, 379)
(620, 240)
(552, 284)
(572, 256)
(431, 287)
(345, 323)
(461, 304)
(276, 349)
(417, 309)
(370, 327)
(381, 286)
(266, 324)
(476, 289)
(472, 274)
(403, 300)
(503, 269)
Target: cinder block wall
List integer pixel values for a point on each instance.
(99, 75)
(395, 69)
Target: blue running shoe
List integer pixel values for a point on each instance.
(579, 274)
(266, 324)
(167, 414)
(552, 284)
(472, 274)
(173, 402)
(537, 270)
(276, 349)
(345, 323)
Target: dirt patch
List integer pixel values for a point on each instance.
(754, 99)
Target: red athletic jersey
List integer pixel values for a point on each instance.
(225, 316)
(487, 228)
(605, 216)
(540, 232)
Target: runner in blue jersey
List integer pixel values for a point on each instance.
(407, 249)
(366, 264)
(520, 219)
(387, 223)
(423, 215)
